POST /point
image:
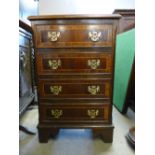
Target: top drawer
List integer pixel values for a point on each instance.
(57, 36)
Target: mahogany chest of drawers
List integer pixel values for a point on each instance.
(74, 59)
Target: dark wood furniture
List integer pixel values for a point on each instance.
(26, 91)
(127, 20)
(26, 76)
(74, 57)
(130, 95)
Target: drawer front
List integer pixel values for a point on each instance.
(87, 62)
(73, 36)
(75, 113)
(75, 88)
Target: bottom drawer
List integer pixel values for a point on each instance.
(75, 113)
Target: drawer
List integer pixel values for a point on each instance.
(75, 88)
(70, 62)
(56, 36)
(75, 113)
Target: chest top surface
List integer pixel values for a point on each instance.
(75, 16)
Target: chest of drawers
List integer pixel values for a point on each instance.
(74, 59)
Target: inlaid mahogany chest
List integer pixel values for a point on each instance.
(74, 58)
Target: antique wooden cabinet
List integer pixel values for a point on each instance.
(26, 82)
(127, 20)
(74, 57)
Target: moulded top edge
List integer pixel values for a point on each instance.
(75, 16)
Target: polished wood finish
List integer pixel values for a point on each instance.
(81, 88)
(73, 36)
(74, 61)
(103, 131)
(74, 16)
(74, 67)
(75, 113)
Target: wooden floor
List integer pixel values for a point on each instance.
(76, 141)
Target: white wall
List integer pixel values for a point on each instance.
(27, 8)
(83, 6)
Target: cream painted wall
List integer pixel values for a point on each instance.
(83, 6)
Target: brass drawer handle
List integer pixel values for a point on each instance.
(53, 35)
(55, 89)
(94, 36)
(56, 113)
(93, 89)
(92, 113)
(54, 64)
(94, 63)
